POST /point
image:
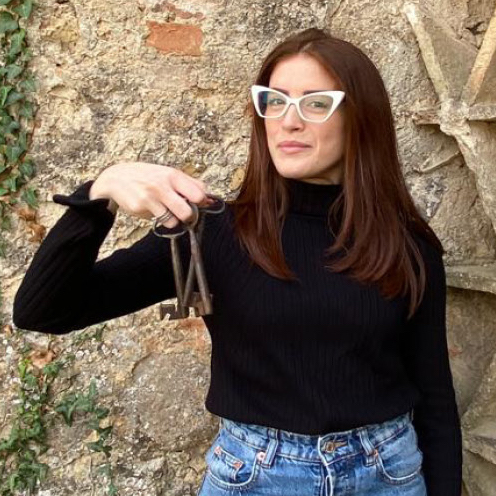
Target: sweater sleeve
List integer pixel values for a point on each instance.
(435, 416)
(65, 288)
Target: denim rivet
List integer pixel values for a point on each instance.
(261, 456)
(331, 446)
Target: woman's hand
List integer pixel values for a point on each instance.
(146, 190)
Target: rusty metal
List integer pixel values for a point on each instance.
(201, 300)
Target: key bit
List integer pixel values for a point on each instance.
(173, 311)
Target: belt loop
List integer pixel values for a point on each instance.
(370, 451)
(268, 457)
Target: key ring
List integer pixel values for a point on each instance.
(184, 226)
(164, 217)
(175, 234)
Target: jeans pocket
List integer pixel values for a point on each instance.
(232, 464)
(399, 459)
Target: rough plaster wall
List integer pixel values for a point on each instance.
(115, 85)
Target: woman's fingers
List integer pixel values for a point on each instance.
(183, 188)
(188, 187)
(146, 190)
(158, 210)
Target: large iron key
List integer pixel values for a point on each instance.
(202, 305)
(200, 301)
(179, 310)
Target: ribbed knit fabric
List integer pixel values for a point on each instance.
(321, 354)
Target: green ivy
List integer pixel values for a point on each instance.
(16, 112)
(21, 471)
(86, 404)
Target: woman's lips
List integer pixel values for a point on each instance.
(293, 148)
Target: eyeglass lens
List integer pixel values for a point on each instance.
(313, 107)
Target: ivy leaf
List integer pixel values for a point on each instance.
(30, 197)
(27, 168)
(100, 447)
(7, 22)
(4, 93)
(6, 118)
(24, 10)
(112, 490)
(101, 412)
(5, 223)
(13, 481)
(11, 126)
(13, 153)
(13, 71)
(21, 181)
(10, 184)
(16, 42)
(93, 424)
(92, 390)
(95, 446)
(105, 432)
(28, 85)
(27, 55)
(63, 409)
(22, 142)
(84, 404)
(105, 470)
(27, 110)
(13, 97)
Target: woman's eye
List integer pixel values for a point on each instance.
(318, 104)
(275, 101)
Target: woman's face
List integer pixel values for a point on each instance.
(321, 161)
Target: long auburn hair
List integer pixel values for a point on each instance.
(375, 210)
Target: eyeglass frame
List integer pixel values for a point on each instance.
(337, 95)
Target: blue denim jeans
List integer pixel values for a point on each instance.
(377, 459)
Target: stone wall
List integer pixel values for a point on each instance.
(167, 82)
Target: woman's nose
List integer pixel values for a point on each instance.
(291, 119)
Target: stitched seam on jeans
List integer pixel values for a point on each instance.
(396, 434)
(317, 460)
(243, 486)
(397, 480)
(244, 441)
(297, 458)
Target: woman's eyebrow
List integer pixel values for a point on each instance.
(305, 92)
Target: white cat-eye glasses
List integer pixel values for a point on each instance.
(313, 107)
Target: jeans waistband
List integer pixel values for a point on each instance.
(329, 447)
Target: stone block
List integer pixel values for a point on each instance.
(179, 39)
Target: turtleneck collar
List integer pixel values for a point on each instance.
(311, 199)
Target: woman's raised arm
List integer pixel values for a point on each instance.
(65, 288)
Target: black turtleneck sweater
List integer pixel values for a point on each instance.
(321, 354)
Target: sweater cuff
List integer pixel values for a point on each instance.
(80, 200)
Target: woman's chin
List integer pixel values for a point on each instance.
(293, 172)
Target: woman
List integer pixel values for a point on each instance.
(330, 371)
